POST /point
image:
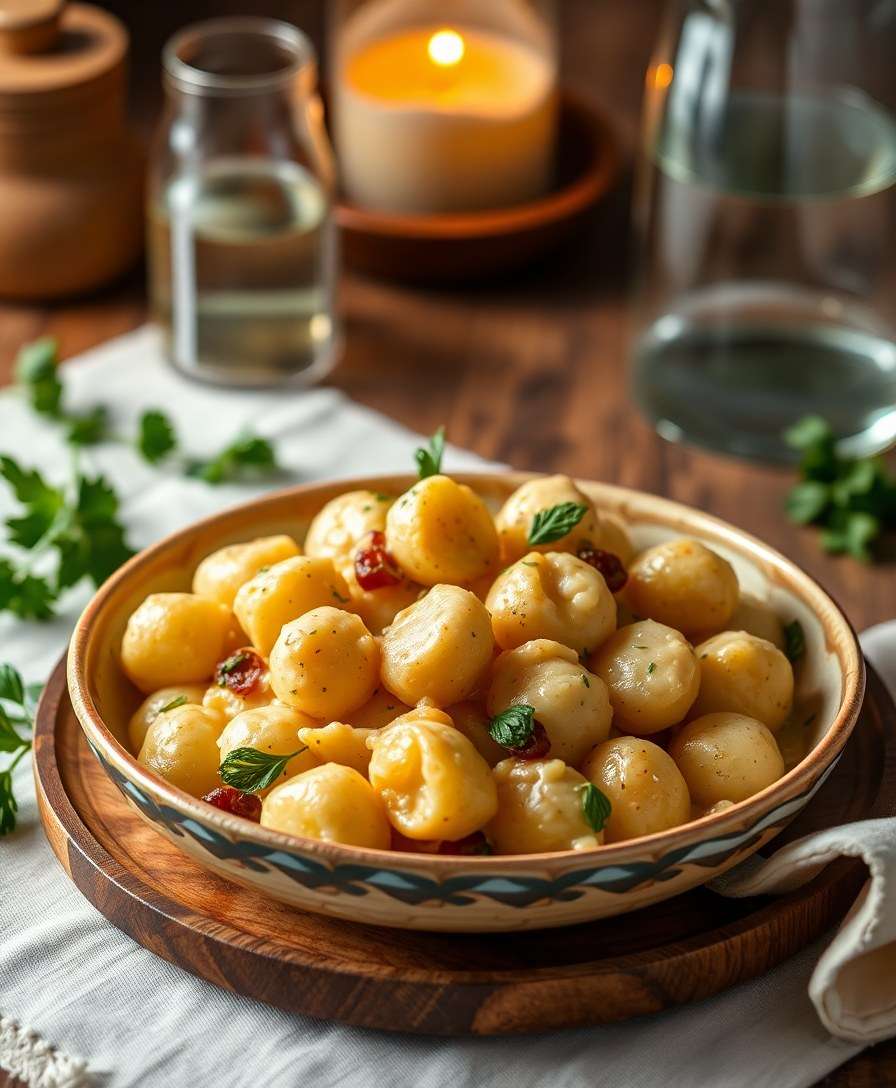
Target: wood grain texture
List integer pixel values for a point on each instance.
(529, 370)
(680, 950)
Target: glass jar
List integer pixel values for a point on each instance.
(242, 244)
(444, 108)
(766, 215)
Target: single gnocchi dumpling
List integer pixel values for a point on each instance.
(514, 519)
(472, 719)
(377, 607)
(569, 701)
(147, 712)
(175, 638)
(326, 663)
(433, 782)
(270, 729)
(652, 675)
(683, 584)
(726, 757)
(754, 616)
(339, 527)
(440, 531)
(284, 592)
(380, 709)
(540, 808)
(181, 746)
(551, 596)
(646, 790)
(331, 802)
(747, 675)
(339, 743)
(439, 648)
(221, 574)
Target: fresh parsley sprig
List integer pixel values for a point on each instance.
(38, 375)
(17, 706)
(247, 454)
(596, 807)
(250, 770)
(852, 500)
(429, 459)
(555, 522)
(72, 533)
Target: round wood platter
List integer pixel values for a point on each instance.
(677, 951)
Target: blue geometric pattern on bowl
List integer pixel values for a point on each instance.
(516, 891)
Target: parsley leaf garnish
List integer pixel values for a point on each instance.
(852, 500)
(554, 523)
(36, 373)
(513, 727)
(429, 459)
(596, 807)
(250, 770)
(794, 641)
(156, 437)
(178, 700)
(13, 744)
(247, 453)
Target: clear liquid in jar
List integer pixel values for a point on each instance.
(779, 217)
(242, 261)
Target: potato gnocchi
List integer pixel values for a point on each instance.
(423, 673)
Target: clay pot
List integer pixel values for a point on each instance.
(71, 175)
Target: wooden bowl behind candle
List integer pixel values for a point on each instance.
(476, 245)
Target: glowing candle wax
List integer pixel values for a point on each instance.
(445, 119)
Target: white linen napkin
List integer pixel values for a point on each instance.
(81, 1003)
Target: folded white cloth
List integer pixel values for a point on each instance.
(119, 1016)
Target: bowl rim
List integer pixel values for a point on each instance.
(595, 179)
(664, 512)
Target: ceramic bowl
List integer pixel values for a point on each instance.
(469, 894)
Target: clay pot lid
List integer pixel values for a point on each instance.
(48, 45)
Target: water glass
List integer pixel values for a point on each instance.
(242, 245)
(765, 213)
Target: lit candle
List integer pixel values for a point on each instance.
(445, 119)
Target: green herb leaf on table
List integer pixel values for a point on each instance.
(596, 807)
(89, 428)
(513, 727)
(36, 373)
(248, 453)
(82, 533)
(250, 770)
(429, 459)
(156, 437)
(794, 641)
(851, 500)
(15, 740)
(556, 522)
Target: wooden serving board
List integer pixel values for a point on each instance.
(674, 952)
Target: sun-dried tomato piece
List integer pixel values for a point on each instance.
(476, 843)
(609, 565)
(241, 672)
(235, 802)
(374, 566)
(536, 747)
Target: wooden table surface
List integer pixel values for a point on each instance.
(530, 371)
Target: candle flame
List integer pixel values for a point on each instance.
(445, 48)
